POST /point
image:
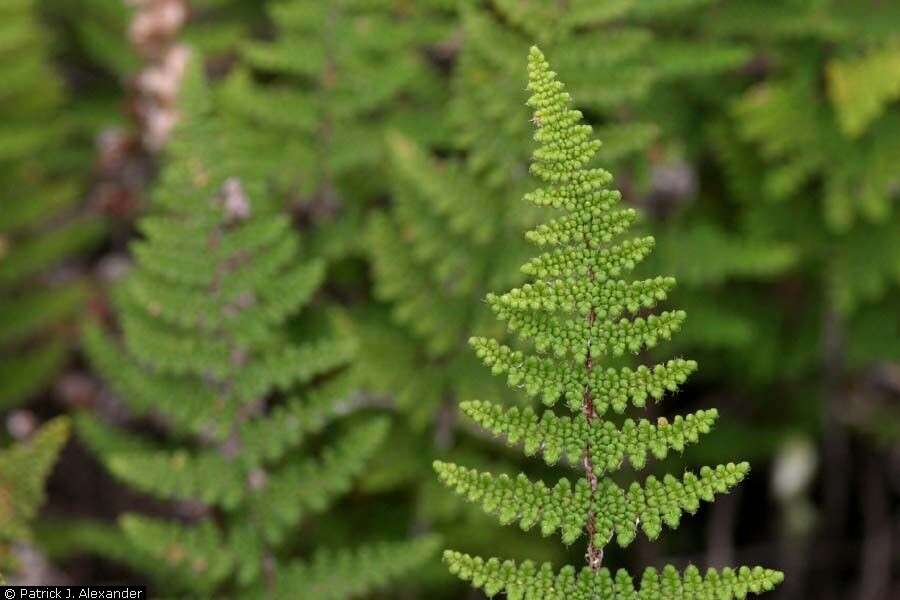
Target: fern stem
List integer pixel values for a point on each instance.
(236, 206)
(594, 554)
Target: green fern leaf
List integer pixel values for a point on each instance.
(577, 311)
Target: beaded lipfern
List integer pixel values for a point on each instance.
(206, 351)
(577, 312)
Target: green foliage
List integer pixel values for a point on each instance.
(316, 100)
(858, 185)
(443, 241)
(625, 44)
(576, 311)
(799, 179)
(450, 235)
(205, 348)
(875, 72)
(756, 141)
(218, 27)
(98, 32)
(733, 314)
(791, 225)
(844, 140)
(557, 437)
(41, 226)
(527, 581)
(24, 469)
(334, 575)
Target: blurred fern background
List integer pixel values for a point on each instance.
(243, 244)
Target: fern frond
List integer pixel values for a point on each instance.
(574, 313)
(208, 345)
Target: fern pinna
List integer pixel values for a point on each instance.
(574, 314)
(207, 353)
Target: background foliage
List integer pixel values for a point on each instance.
(757, 140)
